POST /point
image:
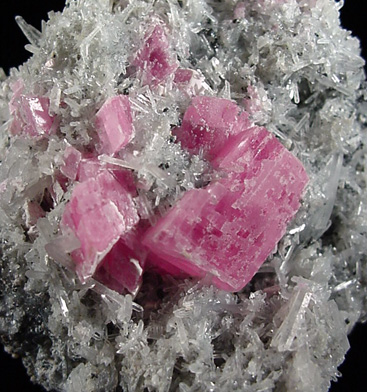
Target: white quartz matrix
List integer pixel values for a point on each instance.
(300, 75)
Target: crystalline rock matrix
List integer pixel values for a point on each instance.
(183, 193)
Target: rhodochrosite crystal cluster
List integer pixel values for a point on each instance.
(182, 196)
(227, 229)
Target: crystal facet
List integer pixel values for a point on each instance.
(208, 123)
(229, 228)
(114, 124)
(71, 161)
(31, 117)
(100, 211)
(142, 182)
(155, 59)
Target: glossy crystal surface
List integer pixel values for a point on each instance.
(229, 228)
(114, 124)
(100, 211)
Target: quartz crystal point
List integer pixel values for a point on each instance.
(100, 211)
(229, 228)
(114, 124)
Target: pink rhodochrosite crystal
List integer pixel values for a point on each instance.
(155, 59)
(88, 168)
(226, 229)
(190, 82)
(122, 268)
(31, 116)
(114, 124)
(72, 158)
(229, 228)
(208, 123)
(150, 238)
(100, 211)
(183, 76)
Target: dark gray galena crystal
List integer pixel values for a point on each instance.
(296, 72)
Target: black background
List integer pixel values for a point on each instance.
(13, 376)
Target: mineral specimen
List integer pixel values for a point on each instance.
(229, 228)
(71, 161)
(154, 60)
(208, 123)
(157, 232)
(114, 124)
(30, 114)
(100, 211)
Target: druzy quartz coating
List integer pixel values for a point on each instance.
(182, 196)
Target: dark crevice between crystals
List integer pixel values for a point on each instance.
(331, 237)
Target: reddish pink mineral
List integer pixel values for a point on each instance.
(122, 268)
(240, 10)
(92, 167)
(88, 168)
(70, 166)
(31, 116)
(183, 76)
(99, 213)
(229, 228)
(155, 58)
(226, 230)
(190, 82)
(208, 123)
(114, 124)
(33, 211)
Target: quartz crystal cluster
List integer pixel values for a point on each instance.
(182, 189)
